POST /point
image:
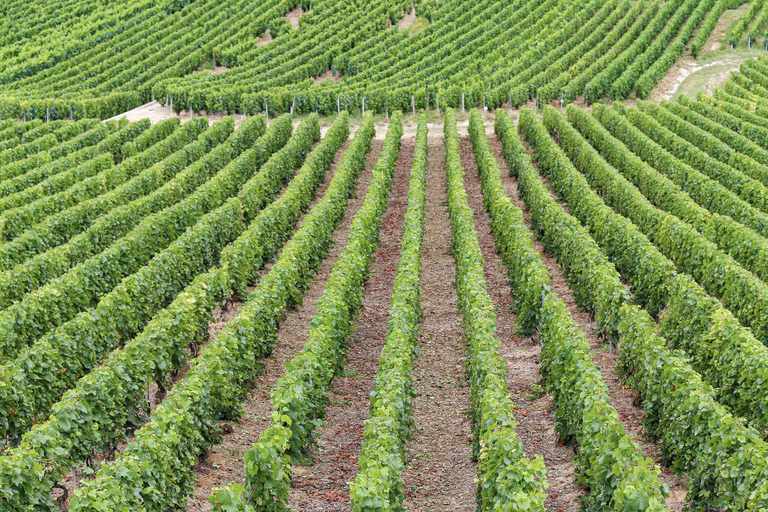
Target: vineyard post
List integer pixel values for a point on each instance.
(437, 101)
(74, 478)
(266, 108)
(462, 102)
(484, 107)
(363, 105)
(71, 113)
(427, 101)
(166, 103)
(510, 99)
(171, 107)
(561, 99)
(47, 114)
(293, 105)
(338, 105)
(413, 104)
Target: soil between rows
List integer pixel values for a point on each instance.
(223, 464)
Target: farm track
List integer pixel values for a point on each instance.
(223, 464)
(603, 356)
(322, 484)
(440, 474)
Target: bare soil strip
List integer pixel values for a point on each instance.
(440, 474)
(223, 464)
(322, 484)
(536, 424)
(622, 398)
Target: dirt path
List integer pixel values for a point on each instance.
(323, 484)
(689, 76)
(536, 424)
(224, 462)
(622, 398)
(441, 474)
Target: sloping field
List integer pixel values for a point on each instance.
(383, 256)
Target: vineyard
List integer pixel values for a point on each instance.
(383, 256)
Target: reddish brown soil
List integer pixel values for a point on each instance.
(604, 356)
(536, 424)
(322, 484)
(440, 474)
(224, 462)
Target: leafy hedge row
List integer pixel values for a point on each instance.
(43, 138)
(655, 66)
(529, 279)
(12, 131)
(570, 81)
(741, 291)
(100, 108)
(299, 397)
(243, 258)
(742, 86)
(708, 25)
(739, 26)
(110, 400)
(58, 228)
(165, 141)
(379, 485)
(176, 183)
(746, 133)
(280, 167)
(746, 246)
(628, 30)
(610, 462)
(507, 479)
(186, 423)
(653, 53)
(725, 459)
(63, 179)
(690, 314)
(79, 145)
(726, 354)
(683, 141)
(701, 188)
(602, 83)
(648, 272)
(85, 283)
(536, 66)
(36, 378)
(735, 136)
(720, 96)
